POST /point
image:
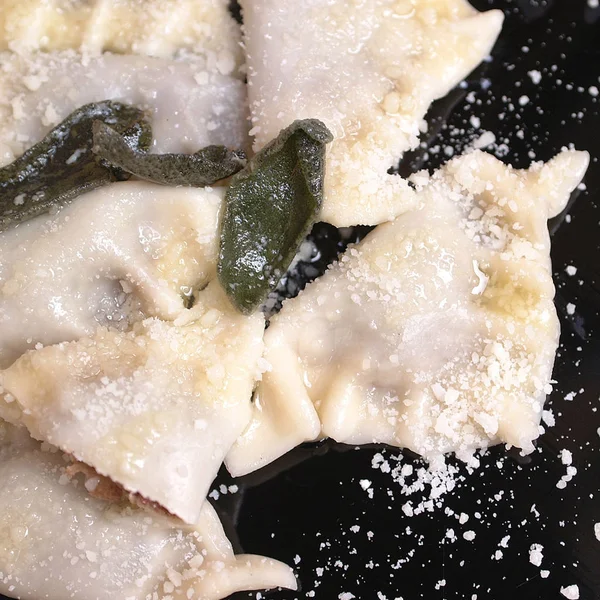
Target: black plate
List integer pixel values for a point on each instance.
(310, 510)
(304, 508)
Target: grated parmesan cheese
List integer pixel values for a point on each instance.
(379, 69)
(475, 368)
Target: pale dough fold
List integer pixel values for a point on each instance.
(56, 542)
(113, 257)
(155, 408)
(369, 70)
(436, 333)
(150, 27)
(119, 373)
(190, 104)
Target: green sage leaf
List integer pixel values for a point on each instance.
(270, 207)
(62, 166)
(205, 167)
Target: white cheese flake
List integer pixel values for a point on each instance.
(536, 554)
(571, 592)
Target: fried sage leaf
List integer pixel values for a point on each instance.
(62, 166)
(270, 207)
(204, 167)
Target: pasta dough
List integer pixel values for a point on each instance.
(155, 408)
(369, 71)
(120, 374)
(56, 542)
(191, 104)
(116, 255)
(151, 27)
(436, 333)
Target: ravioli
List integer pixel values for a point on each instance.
(369, 71)
(436, 333)
(191, 103)
(113, 257)
(56, 542)
(155, 408)
(151, 27)
(120, 373)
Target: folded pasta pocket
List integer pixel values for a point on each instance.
(190, 103)
(436, 333)
(155, 408)
(113, 257)
(56, 542)
(152, 27)
(369, 71)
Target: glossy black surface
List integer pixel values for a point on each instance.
(305, 505)
(305, 508)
